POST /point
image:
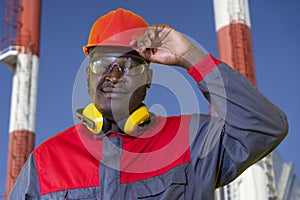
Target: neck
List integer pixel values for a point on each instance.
(115, 128)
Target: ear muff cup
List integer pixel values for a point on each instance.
(100, 123)
(93, 114)
(139, 116)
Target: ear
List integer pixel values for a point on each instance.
(87, 73)
(149, 78)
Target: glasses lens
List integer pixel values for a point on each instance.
(129, 65)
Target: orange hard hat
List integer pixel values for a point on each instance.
(116, 28)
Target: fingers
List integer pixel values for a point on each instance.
(152, 36)
(152, 39)
(147, 40)
(160, 27)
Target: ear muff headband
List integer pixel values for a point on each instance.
(95, 122)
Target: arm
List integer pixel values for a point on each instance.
(247, 125)
(26, 186)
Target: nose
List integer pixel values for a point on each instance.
(115, 74)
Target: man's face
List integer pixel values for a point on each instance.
(117, 83)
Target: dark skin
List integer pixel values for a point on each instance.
(116, 95)
(164, 45)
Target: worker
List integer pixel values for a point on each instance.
(120, 150)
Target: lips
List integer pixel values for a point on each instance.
(114, 92)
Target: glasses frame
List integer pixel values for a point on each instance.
(125, 70)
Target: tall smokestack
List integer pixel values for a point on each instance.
(232, 21)
(22, 57)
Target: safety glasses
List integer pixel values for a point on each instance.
(129, 65)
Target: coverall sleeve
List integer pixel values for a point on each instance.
(243, 128)
(26, 186)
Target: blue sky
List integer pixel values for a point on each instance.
(65, 27)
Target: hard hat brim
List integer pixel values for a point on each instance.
(122, 39)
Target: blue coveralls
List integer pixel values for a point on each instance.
(178, 157)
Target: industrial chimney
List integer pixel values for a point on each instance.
(232, 22)
(19, 51)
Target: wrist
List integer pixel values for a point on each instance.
(201, 69)
(193, 57)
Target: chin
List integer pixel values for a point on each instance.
(114, 110)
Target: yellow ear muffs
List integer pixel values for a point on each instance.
(91, 118)
(138, 117)
(95, 122)
(92, 113)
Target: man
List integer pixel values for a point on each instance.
(121, 151)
